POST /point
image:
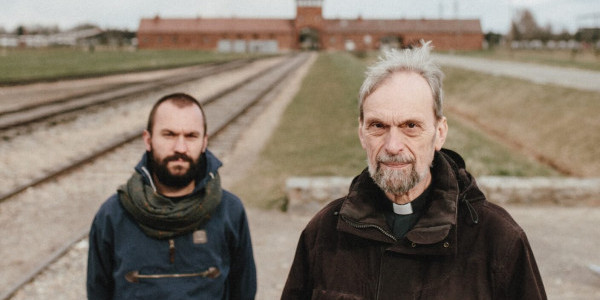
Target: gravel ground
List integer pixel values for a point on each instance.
(72, 140)
(13, 97)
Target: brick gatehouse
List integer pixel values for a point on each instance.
(309, 30)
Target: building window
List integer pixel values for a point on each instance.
(349, 45)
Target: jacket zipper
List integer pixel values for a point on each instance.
(382, 230)
(364, 226)
(135, 276)
(172, 251)
(379, 275)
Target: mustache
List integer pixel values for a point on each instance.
(178, 156)
(386, 158)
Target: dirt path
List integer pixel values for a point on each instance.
(567, 77)
(274, 233)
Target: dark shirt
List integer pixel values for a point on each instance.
(401, 224)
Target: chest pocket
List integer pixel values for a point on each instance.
(184, 287)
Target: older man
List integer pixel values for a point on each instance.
(414, 225)
(171, 232)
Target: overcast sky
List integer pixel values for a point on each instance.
(495, 15)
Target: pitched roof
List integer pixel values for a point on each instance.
(236, 25)
(160, 25)
(404, 25)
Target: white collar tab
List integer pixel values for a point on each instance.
(402, 209)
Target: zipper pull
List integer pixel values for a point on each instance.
(172, 250)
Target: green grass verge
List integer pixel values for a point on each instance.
(559, 123)
(318, 137)
(485, 156)
(26, 65)
(317, 134)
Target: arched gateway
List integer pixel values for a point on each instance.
(309, 23)
(309, 30)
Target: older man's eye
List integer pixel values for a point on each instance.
(375, 128)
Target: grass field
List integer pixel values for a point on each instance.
(26, 65)
(318, 134)
(559, 123)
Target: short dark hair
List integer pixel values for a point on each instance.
(180, 100)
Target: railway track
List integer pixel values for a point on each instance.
(29, 114)
(223, 108)
(34, 111)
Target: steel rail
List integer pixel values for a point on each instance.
(124, 139)
(62, 251)
(41, 111)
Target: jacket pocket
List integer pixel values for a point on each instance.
(156, 283)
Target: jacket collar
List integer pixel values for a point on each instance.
(212, 166)
(362, 211)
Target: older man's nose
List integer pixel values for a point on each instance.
(395, 141)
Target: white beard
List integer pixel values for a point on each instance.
(394, 181)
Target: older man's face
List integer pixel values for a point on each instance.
(400, 133)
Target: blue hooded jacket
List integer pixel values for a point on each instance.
(117, 246)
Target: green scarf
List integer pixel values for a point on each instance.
(162, 218)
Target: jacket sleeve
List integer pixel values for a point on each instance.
(100, 284)
(242, 276)
(299, 283)
(522, 276)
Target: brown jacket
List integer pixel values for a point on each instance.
(463, 247)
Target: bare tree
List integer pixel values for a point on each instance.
(524, 26)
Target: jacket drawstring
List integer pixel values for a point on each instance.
(472, 211)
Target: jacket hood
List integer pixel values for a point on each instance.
(212, 166)
(451, 186)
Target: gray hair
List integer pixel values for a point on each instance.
(417, 59)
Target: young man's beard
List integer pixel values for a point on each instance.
(161, 171)
(395, 182)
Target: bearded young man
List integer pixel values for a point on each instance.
(414, 225)
(172, 232)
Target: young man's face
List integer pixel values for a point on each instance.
(400, 132)
(176, 143)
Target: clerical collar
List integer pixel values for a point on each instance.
(418, 204)
(402, 209)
